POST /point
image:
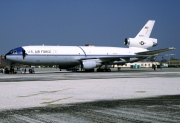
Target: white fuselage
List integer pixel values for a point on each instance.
(67, 55)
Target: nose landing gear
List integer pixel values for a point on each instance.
(23, 54)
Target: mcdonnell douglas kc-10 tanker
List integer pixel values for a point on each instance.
(89, 57)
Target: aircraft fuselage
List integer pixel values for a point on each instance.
(65, 55)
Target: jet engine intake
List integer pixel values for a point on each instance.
(126, 41)
(89, 64)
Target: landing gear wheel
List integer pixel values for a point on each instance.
(107, 70)
(89, 70)
(98, 70)
(103, 70)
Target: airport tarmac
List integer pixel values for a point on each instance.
(131, 95)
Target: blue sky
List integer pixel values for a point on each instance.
(78, 22)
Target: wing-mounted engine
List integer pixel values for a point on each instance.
(89, 64)
(140, 42)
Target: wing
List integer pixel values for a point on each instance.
(144, 54)
(113, 58)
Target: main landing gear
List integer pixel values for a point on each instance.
(99, 70)
(103, 70)
(89, 70)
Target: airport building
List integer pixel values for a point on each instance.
(148, 64)
(138, 65)
(141, 64)
(174, 63)
(3, 62)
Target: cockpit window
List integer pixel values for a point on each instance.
(14, 52)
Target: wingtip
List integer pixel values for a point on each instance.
(172, 48)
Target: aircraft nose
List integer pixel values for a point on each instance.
(5, 56)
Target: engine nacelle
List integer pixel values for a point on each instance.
(89, 64)
(140, 42)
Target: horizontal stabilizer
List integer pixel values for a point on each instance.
(153, 52)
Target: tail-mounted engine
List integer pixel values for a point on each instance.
(142, 39)
(140, 42)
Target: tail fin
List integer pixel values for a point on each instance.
(146, 30)
(142, 39)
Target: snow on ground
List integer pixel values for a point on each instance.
(16, 95)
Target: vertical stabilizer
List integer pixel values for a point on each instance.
(142, 39)
(146, 30)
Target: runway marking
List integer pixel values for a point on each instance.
(44, 92)
(56, 100)
(46, 99)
